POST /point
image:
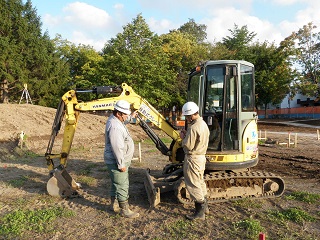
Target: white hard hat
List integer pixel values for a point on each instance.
(123, 106)
(189, 108)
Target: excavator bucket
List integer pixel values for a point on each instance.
(155, 186)
(61, 184)
(152, 191)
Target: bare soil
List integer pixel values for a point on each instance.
(298, 165)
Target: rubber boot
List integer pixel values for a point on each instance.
(125, 210)
(114, 206)
(199, 213)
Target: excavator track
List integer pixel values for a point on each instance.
(226, 186)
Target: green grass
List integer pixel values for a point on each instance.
(152, 150)
(304, 197)
(248, 228)
(292, 214)
(32, 154)
(88, 169)
(90, 181)
(179, 229)
(18, 182)
(248, 203)
(165, 140)
(19, 221)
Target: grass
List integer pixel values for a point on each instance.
(90, 181)
(248, 228)
(88, 169)
(292, 214)
(19, 221)
(165, 140)
(304, 197)
(18, 182)
(247, 203)
(179, 229)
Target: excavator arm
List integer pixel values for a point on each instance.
(60, 182)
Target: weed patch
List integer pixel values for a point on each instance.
(248, 228)
(18, 221)
(304, 197)
(292, 214)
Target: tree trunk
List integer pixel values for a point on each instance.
(265, 111)
(4, 92)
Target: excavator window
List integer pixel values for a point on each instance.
(194, 88)
(247, 99)
(220, 108)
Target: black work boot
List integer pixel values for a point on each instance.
(199, 213)
(125, 210)
(114, 206)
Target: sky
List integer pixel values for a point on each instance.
(95, 22)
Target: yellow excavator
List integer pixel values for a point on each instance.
(224, 92)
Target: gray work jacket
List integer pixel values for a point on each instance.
(119, 146)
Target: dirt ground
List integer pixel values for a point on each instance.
(298, 165)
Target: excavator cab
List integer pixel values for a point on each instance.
(224, 92)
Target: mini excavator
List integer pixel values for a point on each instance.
(224, 92)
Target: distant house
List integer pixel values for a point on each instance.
(299, 106)
(299, 100)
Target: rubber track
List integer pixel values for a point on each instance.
(222, 181)
(261, 177)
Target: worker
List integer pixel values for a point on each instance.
(195, 142)
(118, 153)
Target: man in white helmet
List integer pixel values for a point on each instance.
(195, 142)
(118, 153)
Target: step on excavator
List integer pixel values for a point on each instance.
(224, 92)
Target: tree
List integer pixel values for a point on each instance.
(83, 62)
(305, 45)
(136, 57)
(273, 73)
(184, 53)
(27, 56)
(239, 41)
(197, 31)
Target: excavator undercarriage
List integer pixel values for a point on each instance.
(221, 186)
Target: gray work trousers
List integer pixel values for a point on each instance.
(193, 171)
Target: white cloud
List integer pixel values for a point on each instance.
(51, 20)
(82, 38)
(309, 14)
(303, 17)
(224, 19)
(161, 26)
(85, 15)
(83, 23)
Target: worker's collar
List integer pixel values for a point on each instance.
(196, 119)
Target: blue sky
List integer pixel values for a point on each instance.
(95, 22)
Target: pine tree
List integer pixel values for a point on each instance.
(27, 56)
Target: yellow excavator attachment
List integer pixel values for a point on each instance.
(61, 184)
